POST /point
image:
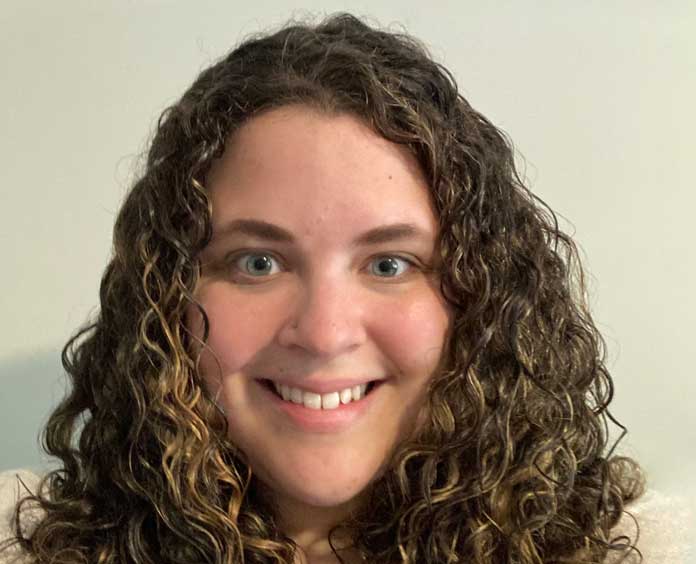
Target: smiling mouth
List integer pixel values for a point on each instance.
(269, 384)
(321, 414)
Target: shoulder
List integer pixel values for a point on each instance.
(666, 532)
(11, 491)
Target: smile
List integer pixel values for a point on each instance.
(330, 400)
(319, 419)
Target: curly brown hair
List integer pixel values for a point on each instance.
(511, 465)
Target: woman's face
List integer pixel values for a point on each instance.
(319, 304)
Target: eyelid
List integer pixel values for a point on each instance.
(230, 266)
(231, 259)
(234, 256)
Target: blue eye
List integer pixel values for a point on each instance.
(260, 261)
(259, 265)
(388, 264)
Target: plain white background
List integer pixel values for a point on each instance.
(598, 98)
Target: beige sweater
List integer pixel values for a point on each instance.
(667, 528)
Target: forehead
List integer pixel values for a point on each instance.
(318, 173)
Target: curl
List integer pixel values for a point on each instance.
(510, 463)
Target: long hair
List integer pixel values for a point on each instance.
(511, 464)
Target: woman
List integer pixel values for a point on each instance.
(336, 327)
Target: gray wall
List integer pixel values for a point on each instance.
(597, 96)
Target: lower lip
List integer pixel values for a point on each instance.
(323, 420)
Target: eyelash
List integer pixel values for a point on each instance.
(234, 258)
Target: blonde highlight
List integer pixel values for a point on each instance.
(510, 463)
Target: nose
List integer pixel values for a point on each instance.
(326, 320)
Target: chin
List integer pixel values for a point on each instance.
(332, 494)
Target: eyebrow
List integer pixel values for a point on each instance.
(271, 232)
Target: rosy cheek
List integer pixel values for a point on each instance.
(414, 332)
(239, 328)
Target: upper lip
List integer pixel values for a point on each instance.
(322, 386)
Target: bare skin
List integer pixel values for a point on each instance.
(326, 309)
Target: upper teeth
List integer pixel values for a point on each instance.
(321, 401)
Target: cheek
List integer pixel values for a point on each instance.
(414, 333)
(411, 332)
(238, 329)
